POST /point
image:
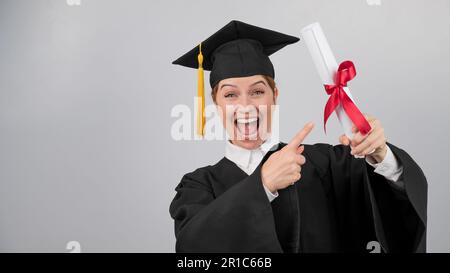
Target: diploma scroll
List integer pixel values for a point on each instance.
(327, 67)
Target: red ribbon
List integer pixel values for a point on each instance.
(346, 72)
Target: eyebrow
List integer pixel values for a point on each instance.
(232, 85)
(226, 84)
(258, 82)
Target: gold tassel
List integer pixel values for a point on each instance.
(200, 95)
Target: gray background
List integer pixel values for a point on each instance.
(86, 94)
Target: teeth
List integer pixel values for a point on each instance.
(244, 120)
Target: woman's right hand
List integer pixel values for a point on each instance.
(283, 168)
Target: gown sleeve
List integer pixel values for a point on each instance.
(399, 215)
(238, 220)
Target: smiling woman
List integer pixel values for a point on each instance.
(246, 105)
(258, 90)
(267, 196)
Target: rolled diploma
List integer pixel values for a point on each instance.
(327, 66)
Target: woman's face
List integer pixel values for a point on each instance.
(245, 105)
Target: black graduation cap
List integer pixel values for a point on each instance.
(236, 50)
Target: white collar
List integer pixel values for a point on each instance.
(242, 156)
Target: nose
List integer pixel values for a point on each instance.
(244, 100)
(246, 110)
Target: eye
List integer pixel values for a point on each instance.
(230, 95)
(257, 92)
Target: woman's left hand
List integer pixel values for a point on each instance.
(373, 145)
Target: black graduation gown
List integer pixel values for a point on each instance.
(339, 205)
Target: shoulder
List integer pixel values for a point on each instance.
(320, 150)
(320, 155)
(203, 176)
(327, 150)
(206, 171)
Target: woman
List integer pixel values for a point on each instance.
(265, 196)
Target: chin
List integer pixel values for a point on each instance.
(248, 144)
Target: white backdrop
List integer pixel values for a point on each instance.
(86, 93)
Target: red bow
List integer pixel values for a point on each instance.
(346, 72)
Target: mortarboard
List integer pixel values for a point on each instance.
(236, 50)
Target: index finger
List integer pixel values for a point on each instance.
(300, 136)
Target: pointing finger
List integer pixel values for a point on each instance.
(300, 136)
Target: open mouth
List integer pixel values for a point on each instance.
(247, 127)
